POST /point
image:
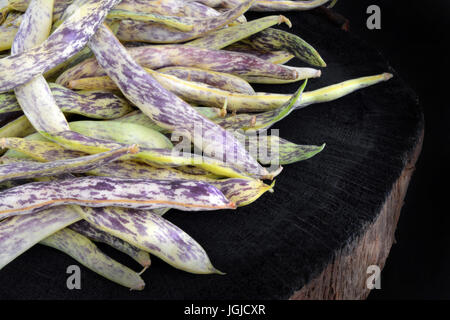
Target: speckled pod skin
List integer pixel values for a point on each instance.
(26, 170)
(70, 37)
(178, 23)
(88, 230)
(92, 104)
(273, 39)
(85, 252)
(39, 150)
(282, 5)
(154, 234)
(166, 109)
(179, 8)
(276, 57)
(35, 97)
(103, 191)
(156, 57)
(130, 30)
(239, 191)
(224, 37)
(223, 81)
(215, 79)
(18, 234)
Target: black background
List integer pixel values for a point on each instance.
(414, 38)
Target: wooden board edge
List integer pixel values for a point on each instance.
(345, 276)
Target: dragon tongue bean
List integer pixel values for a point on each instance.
(102, 191)
(70, 37)
(166, 109)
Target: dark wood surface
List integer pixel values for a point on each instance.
(274, 247)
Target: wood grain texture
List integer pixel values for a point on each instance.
(274, 247)
(345, 277)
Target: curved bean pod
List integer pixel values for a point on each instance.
(281, 151)
(127, 133)
(103, 191)
(91, 104)
(35, 97)
(178, 23)
(224, 37)
(156, 57)
(86, 252)
(215, 79)
(154, 234)
(88, 230)
(274, 39)
(25, 170)
(166, 109)
(70, 37)
(276, 57)
(130, 30)
(20, 233)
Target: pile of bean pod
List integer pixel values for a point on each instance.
(130, 75)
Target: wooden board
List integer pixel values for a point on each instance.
(316, 231)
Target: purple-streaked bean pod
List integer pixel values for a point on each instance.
(239, 191)
(165, 108)
(154, 234)
(272, 39)
(26, 170)
(276, 57)
(91, 104)
(70, 37)
(35, 97)
(179, 8)
(215, 79)
(38, 150)
(175, 22)
(20, 233)
(131, 30)
(86, 252)
(261, 121)
(283, 5)
(224, 37)
(88, 230)
(196, 85)
(103, 191)
(200, 93)
(156, 57)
